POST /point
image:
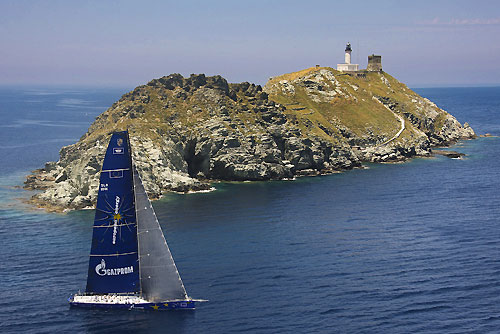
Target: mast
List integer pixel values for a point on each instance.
(137, 230)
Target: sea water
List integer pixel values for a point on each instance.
(395, 248)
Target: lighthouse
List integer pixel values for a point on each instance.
(348, 51)
(347, 66)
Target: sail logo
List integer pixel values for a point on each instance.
(116, 174)
(116, 218)
(101, 270)
(119, 149)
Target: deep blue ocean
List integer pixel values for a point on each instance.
(395, 248)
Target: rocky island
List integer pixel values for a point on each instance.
(189, 132)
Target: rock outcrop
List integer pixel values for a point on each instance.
(186, 132)
(376, 115)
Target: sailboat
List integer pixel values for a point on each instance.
(130, 263)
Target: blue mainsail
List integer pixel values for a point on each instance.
(113, 264)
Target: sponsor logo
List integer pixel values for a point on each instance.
(119, 141)
(116, 218)
(101, 270)
(118, 150)
(116, 174)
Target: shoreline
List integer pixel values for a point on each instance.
(51, 208)
(189, 132)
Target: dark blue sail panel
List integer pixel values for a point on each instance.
(113, 265)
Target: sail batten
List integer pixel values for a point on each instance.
(114, 254)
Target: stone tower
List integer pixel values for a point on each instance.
(374, 63)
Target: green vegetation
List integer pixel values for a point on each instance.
(323, 101)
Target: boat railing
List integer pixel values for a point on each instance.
(124, 294)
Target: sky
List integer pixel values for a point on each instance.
(127, 43)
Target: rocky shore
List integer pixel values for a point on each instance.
(188, 132)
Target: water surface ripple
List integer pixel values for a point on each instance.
(396, 248)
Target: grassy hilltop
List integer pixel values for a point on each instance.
(361, 110)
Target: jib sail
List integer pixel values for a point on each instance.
(160, 279)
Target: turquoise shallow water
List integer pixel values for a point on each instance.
(395, 248)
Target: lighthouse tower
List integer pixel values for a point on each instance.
(348, 51)
(347, 66)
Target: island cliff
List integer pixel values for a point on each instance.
(186, 132)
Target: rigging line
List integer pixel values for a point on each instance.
(109, 205)
(110, 216)
(130, 230)
(106, 231)
(108, 212)
(131, 207)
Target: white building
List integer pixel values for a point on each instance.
(347, 66)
